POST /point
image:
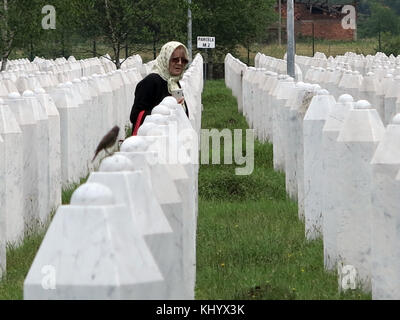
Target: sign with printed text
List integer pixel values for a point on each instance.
(205, 42)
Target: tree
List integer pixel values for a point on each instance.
(17, 20)
(241, 25)
(167, 22)
(382, 20)
(254, 27)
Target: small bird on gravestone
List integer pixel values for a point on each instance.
(108, 141)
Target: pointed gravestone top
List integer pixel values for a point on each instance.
(396, 119)
(388, 150)
(362, 124)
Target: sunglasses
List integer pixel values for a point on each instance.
(183, 60)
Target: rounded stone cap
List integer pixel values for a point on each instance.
(28, 94)
(345, 98)
(316, 87)
(396, 119)
(370, 74)
(40, 91)
(134, 144)
(362, 104)
(145, 128)
(14, 95)
(84, 78)
(323, 92)
(116, 163)
(157, 119)
(169, 101)
(77, 81)
(162, 110)
(92, 194)
(388, 75)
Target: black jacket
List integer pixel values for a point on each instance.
(148, 94)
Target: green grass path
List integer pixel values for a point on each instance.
(251, 244)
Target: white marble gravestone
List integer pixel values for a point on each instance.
(133, 189)
(180, 208)
(357, 142)
(292, 141)
(330, 162)
(370, 91)
(42, 127)
(69, 127)
(93, 250)
(266, 106)
(386, 205)
(313, 123)
(12, 182)
(300, 112)
(54, 148)
(27, 121)
(391, 96)
(3, 217)
(281, 96)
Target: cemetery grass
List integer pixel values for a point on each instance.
(250, 242)
(20, 259)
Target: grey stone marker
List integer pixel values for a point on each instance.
(3, 222)
(385, 200)
(313, 123)
(330, 163)
(357, 142)
(12, 206)
(93, 251)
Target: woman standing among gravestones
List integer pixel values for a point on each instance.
(162, 82)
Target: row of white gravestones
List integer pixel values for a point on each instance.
(50, 139)
(378, 63)
(63, 70)
(378, 83)
(130, 231)
(347, 165)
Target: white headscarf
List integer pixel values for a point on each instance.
(161, 67)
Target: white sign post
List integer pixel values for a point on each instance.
(205, 43)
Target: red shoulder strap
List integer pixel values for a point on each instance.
(138, 122)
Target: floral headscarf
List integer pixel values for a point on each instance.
(161, 67)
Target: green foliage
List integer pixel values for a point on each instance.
(390, 44)
(381, 19)
(241, 25)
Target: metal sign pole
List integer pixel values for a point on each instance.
(291, 40)
(190, 31)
